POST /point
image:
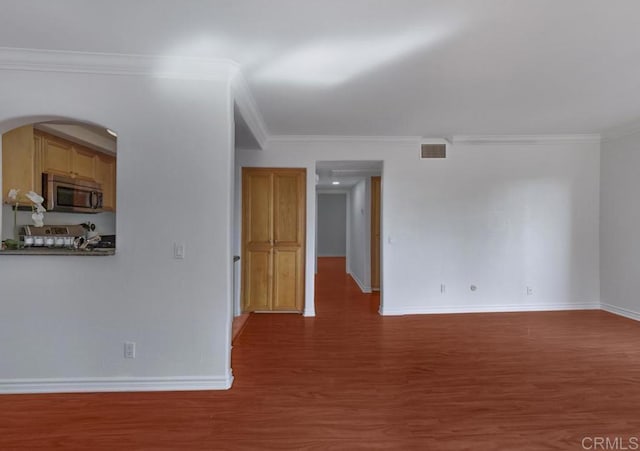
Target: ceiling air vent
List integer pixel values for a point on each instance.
(433, 151)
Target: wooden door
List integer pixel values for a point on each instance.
(375, 232)
(257, 239)
(273, 237)
(288, 233)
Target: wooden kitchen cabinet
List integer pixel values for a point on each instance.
(56, 155)
(28, 152)
(105, 170)
(66, 158)
(19, 164)
(63, 157)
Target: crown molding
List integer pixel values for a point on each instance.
(353, 172)
(428, 140)
(191, 68)
(457, 139)
(248, 109)
(347, 138)
(526, 139)
(175, 67)
(327, 190)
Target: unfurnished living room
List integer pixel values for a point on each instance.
(310, 225)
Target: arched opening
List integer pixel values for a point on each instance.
(59, 186)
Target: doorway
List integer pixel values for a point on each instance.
(359, 184)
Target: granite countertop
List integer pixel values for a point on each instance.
(54, 251)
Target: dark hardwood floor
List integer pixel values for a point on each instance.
(350, 379)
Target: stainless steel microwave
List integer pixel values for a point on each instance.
(71, 195)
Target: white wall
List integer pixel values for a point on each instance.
(64, 319)
(499, 216)
(332, 225)
(620, 226)
(360, 235)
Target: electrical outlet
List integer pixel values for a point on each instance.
(529, 291)
(129, 350)
(178, 251)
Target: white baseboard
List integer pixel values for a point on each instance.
(502, 308)
(363, 287)
(114, 384)
(631, 314)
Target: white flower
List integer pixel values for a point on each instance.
(38, 219)
(35, 197)
(13, 194)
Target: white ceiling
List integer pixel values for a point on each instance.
(379, 67)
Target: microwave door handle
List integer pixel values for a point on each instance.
(94, 199)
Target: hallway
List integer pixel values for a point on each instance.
(350, 379)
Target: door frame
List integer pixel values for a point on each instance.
(364, 285)
(376, 215)
(347, 195)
